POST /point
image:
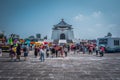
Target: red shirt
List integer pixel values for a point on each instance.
(103, 49)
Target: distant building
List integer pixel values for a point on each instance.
(38, 36)
(94, 41)
(109, 34)
(111, 44)
(31, 37)
(62, 31)
(14, 36)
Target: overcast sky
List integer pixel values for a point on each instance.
(89, 18)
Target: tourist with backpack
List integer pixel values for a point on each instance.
(26, 51)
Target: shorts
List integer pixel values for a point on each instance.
(25, 54)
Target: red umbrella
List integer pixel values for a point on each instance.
(45, 42)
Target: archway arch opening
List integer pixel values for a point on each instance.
(62, 36)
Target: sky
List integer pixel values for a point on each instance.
(89, 18)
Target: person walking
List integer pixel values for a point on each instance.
(18, 51)
(12, 53)
(90, 50)
(102, 50)
(66, 51)
(26, 51)
(62, 52)
(96, 49)
(83, 49)
(74, 49)
(53, 52)
(56, 50)
(68, 48)
(0, 51)
(47, 52)
(36, 52)
(42, 52)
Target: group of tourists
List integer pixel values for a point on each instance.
(90, 49)
(100, 51)
(15, 52)
(53, 51)
(39, 51)
(62, 51)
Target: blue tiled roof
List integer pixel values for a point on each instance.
(62, 23)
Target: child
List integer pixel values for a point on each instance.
(12, 53)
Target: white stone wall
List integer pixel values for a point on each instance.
(55, 34)
(68, 34)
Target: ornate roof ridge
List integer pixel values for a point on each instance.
(62, 23)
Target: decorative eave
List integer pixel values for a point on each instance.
(62, 25)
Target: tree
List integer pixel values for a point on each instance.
(31, 37)
(109, 34)
(45, 37)
(1, 35)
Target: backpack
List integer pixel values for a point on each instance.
(24, 49)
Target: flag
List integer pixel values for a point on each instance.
(10, 41)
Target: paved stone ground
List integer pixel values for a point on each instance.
(73, 67)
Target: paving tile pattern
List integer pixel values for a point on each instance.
(74, 67)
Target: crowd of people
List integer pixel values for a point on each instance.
(53, 51)
(16, 52)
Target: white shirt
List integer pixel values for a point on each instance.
(41, 51)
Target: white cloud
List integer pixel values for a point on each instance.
(97, 14)
(79, 17)
(112, 25)
(91, 26)
(92, 16)
(94, 25)
(98, 25)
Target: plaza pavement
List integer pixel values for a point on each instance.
(74, 67)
